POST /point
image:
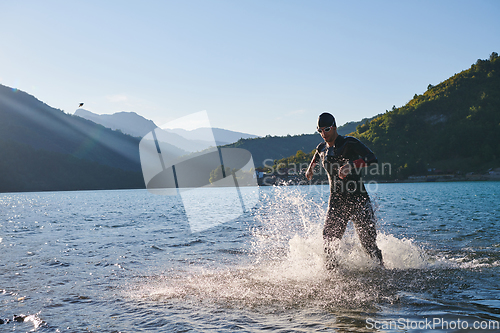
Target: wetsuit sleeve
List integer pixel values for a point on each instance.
(367, 157)
(315, 157)
(316, 154)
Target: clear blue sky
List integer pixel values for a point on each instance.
(260, 67)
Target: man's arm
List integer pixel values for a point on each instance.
(367, 157)
(309, 171)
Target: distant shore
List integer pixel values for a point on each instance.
(491, 176)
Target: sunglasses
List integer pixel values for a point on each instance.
(326, 129)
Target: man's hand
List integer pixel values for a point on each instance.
(345, 170)
(309, 171)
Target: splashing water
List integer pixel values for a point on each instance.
(288, 263)
(131, 259)
(290, 234)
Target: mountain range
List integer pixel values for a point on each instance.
(44, 148)
(185, 142)
(189, 141)
(454, 126)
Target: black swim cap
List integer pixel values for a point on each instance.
(325, 120)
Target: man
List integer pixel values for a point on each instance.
(343, 157)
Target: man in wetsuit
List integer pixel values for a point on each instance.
(343, 157)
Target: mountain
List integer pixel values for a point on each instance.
(351, 126)
(188, 141)
(128, 122)
(135, 125)
(44, 148)
(267, 149)
(221, 136)
(38, 140)
(453, 128)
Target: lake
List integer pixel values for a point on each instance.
(127, 261)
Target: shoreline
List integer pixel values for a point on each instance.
(447, 178)
(411, 179)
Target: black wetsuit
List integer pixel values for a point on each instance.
(348, 197)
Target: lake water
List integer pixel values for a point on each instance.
(126, 261)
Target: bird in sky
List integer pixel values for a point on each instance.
(81, 104)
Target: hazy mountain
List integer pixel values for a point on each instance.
(221, 136)
(135, 125)
(25, 119)
(188, 141)
(128, 122)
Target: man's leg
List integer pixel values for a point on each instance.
(335, 226)
(364, 222)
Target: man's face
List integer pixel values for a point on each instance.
(327, 132)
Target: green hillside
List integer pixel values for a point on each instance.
(454, 127)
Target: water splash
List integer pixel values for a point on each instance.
(288, 264)
(287, 268)
(35, 320)
(290, 234)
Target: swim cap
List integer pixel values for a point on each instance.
(325, 120)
